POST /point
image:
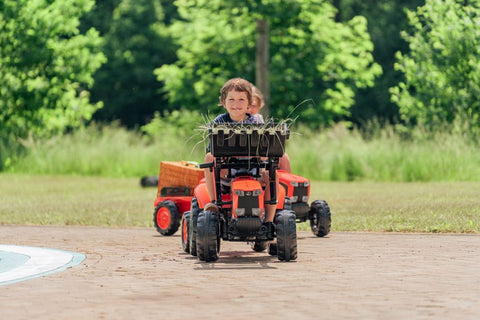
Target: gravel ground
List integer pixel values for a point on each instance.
(134, 273)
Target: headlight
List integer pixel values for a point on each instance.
(293, 199)
(256, 212)
(306, 184)
(305, 199)
(257, 192)
(294, 183)
(240, 212)
(239, 193)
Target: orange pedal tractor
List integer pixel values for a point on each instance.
(297, 191)
(242, 154)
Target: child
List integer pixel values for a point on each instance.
(236, 97)
(257, 104)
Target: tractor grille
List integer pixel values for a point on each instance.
(300, 192)
(248, 225)
(243, 228)
(248, 202)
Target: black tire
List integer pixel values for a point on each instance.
(272, 249)
(320, 218)
(185, 232)
(194, 211)
(149, 181)
(166, 218)
(259, 245)
(287, 204)
(286, 230)
(208, 236)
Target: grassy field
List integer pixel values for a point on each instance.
(336, 154)
(355, 206)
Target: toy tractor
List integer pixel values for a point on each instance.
(243, 151)
(297, 192)
(174, 196)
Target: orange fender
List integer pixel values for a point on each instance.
(201, 193)
(280, 197)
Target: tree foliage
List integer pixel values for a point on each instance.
(135, 43)
(313, 59)
(385, 19)
(46, 66)
(442, 69)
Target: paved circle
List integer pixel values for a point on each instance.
(20, 263)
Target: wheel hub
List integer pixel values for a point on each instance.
(163, 218)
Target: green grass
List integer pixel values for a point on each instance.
(70, 200)
(355, 206)
(383, 154)
(106, 151)
(402, 207)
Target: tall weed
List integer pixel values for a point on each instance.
(105, 151)
(375, 153)
(384, 153)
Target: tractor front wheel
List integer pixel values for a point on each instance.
(166, 218)
(185, 232)
(286, 229)
(208, 236)
(320, 218)
(194, 211)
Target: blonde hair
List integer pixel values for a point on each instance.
(259, 95)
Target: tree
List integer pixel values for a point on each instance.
(46, 66)
(100, 17)
(135, 44)
(442, 69)
(385, 19)
(313, 58)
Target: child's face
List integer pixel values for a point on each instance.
(237, 105)
(255, 107)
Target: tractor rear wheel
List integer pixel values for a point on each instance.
(208, 236)
(194, 211)
(320, 218)
(259, 245)
(185, 232)
(272, 249)
(286, 230)
(166, 218)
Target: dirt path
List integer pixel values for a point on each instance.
(137, 274)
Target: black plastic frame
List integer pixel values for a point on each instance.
(252, 140)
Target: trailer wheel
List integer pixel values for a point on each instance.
(320, 218)
(185, 232)
(194, 211)
(166, 218)
(208, 236)
(286, 230)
